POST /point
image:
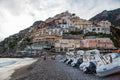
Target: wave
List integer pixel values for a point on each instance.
(7, 63)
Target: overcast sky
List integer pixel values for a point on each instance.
(16, 15)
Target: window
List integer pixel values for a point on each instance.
(72, 45)
(93, 29)
(98, 29)
(98, 41)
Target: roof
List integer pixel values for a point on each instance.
(72, 37)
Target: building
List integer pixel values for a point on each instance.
(105, 26)
(55, 31)
(102, 43)
(81, 23)
(48, 31)
(42, 42)
(96, 29)
(104, 23)
(101, 27)
(72, 23)
(68, 43)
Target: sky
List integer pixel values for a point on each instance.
(16, 15)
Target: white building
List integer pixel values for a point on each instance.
(104, 23)
(56, 31)
(102, 27)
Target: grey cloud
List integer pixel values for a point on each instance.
(43, 4)
(15, 7)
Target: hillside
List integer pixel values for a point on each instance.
(17, 41)
(20, 40)
(113, 16)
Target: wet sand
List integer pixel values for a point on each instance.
(54, 70)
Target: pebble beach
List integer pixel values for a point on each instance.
(50, 69)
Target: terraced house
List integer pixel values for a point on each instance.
(68, 43)
(101, 27)
(102, 43)
(50, 34)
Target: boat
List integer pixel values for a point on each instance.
(66, 58)
(89, 62)
(77, 58)
(108, 69)
(111, 67)
(70, 57)
(101, 65)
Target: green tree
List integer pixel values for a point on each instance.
(12, 44)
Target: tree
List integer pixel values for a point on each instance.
(24, 42)
(12, 44)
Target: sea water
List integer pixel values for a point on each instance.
(9, 65)
(4, 62)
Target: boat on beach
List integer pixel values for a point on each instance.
(101, 65)
(108, 69)
(93, 62)
(77, 58)
(70, 57)
(89, 62)
(111, 67)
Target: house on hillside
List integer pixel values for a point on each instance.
(101, 27)
(68, 43)
(102, 43)
(44, 42)
(80, 24)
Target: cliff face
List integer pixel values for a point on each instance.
(9, 44)
(17, 41)
(113, 16)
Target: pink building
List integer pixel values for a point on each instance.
(105, 43)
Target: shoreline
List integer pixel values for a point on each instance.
(7, 71)
(23, 71)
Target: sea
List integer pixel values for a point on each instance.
(9, 65)
(6, 62)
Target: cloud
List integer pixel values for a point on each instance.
(15, 7)
(88, 8)
(16, 15)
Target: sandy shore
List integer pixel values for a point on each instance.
(7, 71)
(54, 70)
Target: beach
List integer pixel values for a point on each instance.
(9, 65)
(50, 69)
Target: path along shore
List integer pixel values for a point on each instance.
(54, 70)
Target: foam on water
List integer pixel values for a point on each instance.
(7, 63)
